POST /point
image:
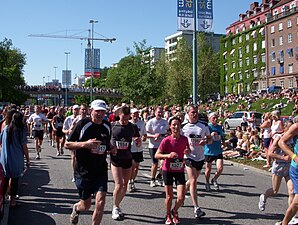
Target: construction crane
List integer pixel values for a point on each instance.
(73, 37)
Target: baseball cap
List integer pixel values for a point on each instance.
(212, 114)
(134, 110)
(117, 107)
(75, 107)
(98, 105)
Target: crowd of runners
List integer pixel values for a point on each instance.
(181, 140)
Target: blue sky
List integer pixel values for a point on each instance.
(128, 21)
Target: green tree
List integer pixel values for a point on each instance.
(12, 62)
(208, 68)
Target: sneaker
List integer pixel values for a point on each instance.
(58, 153)
(168, 220)
(262, 202)
(293, 221)
(152, 183)
(198, 212)
(73, 179)
(37, 156)
(116, 214)
(207, 187)
(278, 223)
(62, 152)
(133, 187)
(160, 183)
(74, 216)
(130, 187)
(176, 219)
(215, 184)
(53, 143)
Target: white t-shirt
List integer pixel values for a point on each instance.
(195, 133)
(155, 126)
(37, 120)
(67, 123)
(141, 127)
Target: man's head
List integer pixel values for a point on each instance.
(193, 114)
(134, 114)
(124, 114)
(158, 112)
(98, 110)
(75, 110)
(213, 118)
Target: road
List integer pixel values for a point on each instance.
(47, 195)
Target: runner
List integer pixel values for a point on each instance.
(123, 132)
(37, 120)
(91, 141)
(172, 150)
(137, 152)
(197, 134)
(213, 152)
(156, 128)
(57, 124)
(50, 116)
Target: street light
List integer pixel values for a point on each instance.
(55, 67)
(92, 57)
(66, 83)
(43, 81)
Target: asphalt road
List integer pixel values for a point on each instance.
(47, 195)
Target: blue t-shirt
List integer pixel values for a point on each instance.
(293, 163)
(214, 149)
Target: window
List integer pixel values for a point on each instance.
(225, 67)
(255, 46)
(273, 70)
(240, 63)
(290, 52)
(272, 29)
(247, 75)
(247, 61)
(226, 44)
(233, 64)
(247, 37)
(290, 68)
(273, 82)
(256, 73)
(280, 27)
(282, 83)
(263, 84)
(273, 56)
(226, 77)
(233, 41)
(240, 52)
(281, 68)
(247, 49)
(248, 87)
(263, 44)
(255, 59)
(263, 58)
(291, 82)
(289, 23)
(240, 39)
(281, 40)
(273, 42)
(240, 76)
(263, 71)
(290, 37)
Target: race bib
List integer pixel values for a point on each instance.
(176, 164)
(99, 150)
(122, 145)
(216, 137)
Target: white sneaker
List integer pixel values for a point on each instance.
(73, 179)
(152, 183)
(293, 221)
(58, 153)
(37, 156)
(116, 214)
(198, 212)
(160, 183)
(215, 184)
(262, 202)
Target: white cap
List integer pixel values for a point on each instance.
(212, 114)
(75, 107)
(98, 105)
(134, 110)
(116, 107)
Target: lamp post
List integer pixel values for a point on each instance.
(92, 57)
(43, 80)
(55, 67)
(66, 81)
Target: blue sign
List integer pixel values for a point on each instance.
(205, 15)
(185, 14)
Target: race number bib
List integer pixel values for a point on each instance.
(99, 150)
(122, 145)
(216, 137)
(176, 164)
(194, 139)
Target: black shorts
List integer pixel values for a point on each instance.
(168, 178)
(152, 152)
(88, 187)
(123, 163)
(38, 134)
(59, 133)
(137, 157)
(267, 142)
(211, 158)
(50, 128)
(244, 124)
(195, 164)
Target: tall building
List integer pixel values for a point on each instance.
(246, 55)
(172, 40)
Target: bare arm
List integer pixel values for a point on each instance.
(160, 155)
(293, 131)
(90, 144)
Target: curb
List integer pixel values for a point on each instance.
(248, 167)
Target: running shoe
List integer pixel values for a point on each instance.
(207, 187)
(160, 183)
(37, 156)
(116, 214)
(176, 219)
(168, 220)
(62, 151)
(58, 153)
(133, 187)
(73, 179)
(278, 223)
(198, 212)
(152, 183)
(215, 184)
(293, 221)
(130, 187)
(74, 216)
(262, 202)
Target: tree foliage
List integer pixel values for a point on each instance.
(12, 62)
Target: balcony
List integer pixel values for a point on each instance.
(287, 12)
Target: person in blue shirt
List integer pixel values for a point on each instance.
(213, 152)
